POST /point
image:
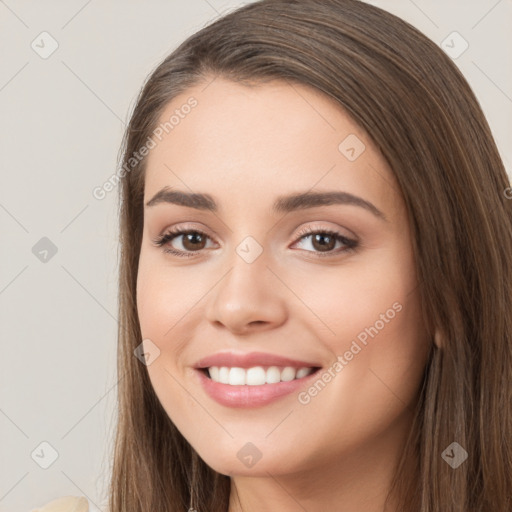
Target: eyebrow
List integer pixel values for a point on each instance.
(283, 204)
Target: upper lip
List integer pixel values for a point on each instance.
(248, 360)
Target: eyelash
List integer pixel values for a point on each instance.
(162, 240)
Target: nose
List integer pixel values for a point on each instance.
(249, 297)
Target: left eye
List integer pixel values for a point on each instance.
(323, 241)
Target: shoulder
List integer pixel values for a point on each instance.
(65, 504)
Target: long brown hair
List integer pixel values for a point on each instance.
(423, 116)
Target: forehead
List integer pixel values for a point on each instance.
(247, 144)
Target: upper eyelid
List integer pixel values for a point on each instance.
(301, 233)
(308, 229)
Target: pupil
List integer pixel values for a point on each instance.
(323, 245)
(191, 238)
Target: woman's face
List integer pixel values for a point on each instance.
(251, 280)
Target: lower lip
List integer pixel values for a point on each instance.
(250, 396)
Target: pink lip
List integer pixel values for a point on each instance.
(249, 360)
(250, 396)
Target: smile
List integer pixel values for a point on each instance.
(256, 375)
(255, 386)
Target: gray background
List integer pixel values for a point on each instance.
(61, 126)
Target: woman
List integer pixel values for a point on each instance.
(315, 279)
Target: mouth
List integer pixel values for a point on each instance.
(256, 375)
(253, 379)
(254, 386)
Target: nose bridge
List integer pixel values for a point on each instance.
(248, 278)
(249, 293)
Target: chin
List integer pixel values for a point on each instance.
(247, 460)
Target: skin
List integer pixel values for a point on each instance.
(245, 146)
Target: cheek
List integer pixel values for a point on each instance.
(165, 295)
(373, 292)
(383, 349)
(168, 303)
(373, 315)
(160, 305)
(379, 355)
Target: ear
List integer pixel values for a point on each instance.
(437, 339)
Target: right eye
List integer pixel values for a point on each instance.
(191, 237)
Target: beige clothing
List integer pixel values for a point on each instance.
(65, 504)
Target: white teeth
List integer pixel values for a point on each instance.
(288, 374)
(214, 373)
(273, 375)
(257, 375)
(223, 375)
(302, 372)
(237, 376)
